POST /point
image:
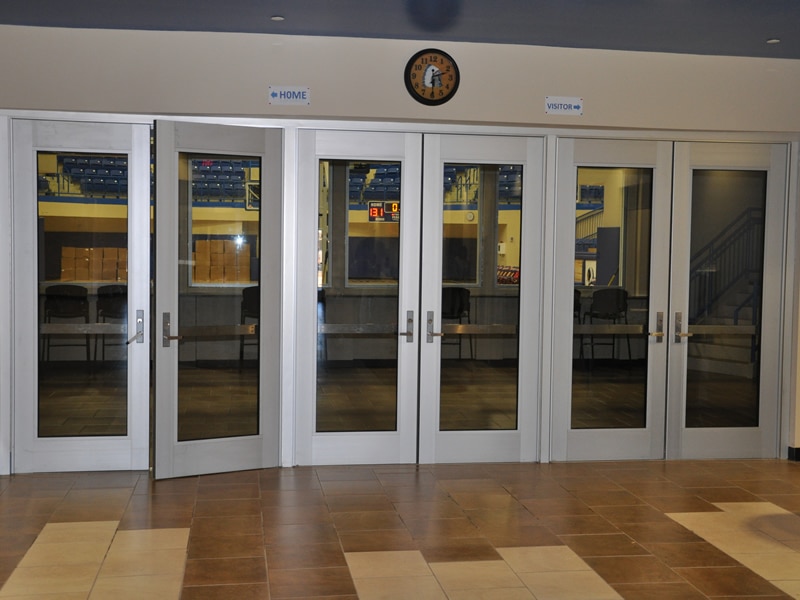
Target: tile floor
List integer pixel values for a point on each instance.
(633, 530)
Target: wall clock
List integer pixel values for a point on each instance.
(431, 77)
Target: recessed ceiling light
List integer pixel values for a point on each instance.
(773, 41)
(277, 18)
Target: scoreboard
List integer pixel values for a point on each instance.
(383, 212)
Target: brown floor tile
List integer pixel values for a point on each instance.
(152, 487)
(459, 527)
(613, 544)
(728, 581)
(546, 507)
(325, 474)
(632, 569)
(638, 513)
(229, 507)
(154, 520)
(299, 533)
(608, 498)
(220, 526)
(573, 525)
(335, 488)
(658, 591)
(15, 544)
(229, 546)
(246, 591)
(438, 509)
(412, 494)
(351, 503)
(683, 503)
(292, 515)
(670, 531)
(305, 556)
(486, 518)
(226, 479)
(768, 486)
(226, 492)
(368, 519)
(645, 489)
(292, 497)
(457, 550)
(513, 537)
(214, 571)
(725, 494)
(333, 581)
(691, 554)
(377, 541)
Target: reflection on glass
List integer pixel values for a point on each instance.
(611, 298)
(83, 272)
(726, 272)
(358, 264)
(219, 300)
(480, 299)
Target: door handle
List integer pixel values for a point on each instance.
(409, 332)
(431, 333)
(679, 335)
(139, 335)
(165, 330)
(659, 332)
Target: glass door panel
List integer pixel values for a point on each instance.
(217, 383)
(86, 287)
(482, 209)
(219, 305)
(83, 307)
(725, 289)
(613, 208)
(359, 208)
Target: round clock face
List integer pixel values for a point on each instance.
(432, 77)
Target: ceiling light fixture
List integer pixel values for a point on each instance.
(277, 18)
(774, 41)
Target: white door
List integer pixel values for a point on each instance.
(217, 298)
(663, 275)
(81, 296)
(412, 251)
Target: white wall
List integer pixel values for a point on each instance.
(228, 74)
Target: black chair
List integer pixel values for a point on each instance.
(112, 303)
(576, 305)
(456, 309)
(65, 301)
(251, 309)
(609, 304)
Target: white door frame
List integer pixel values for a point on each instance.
(31, 453)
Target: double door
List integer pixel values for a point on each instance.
(672, 347)
(417, 298)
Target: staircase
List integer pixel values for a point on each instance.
(725, 289)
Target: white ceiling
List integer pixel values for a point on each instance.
(718, 27)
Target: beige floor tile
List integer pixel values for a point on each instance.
(496, 594)
(705, 521)
(399, 588)
(403, 563)
(125, 563)
(579, 585)
(150, 539)
(50, 580)
(538, 559)
(750, 508)
(93, 531)
(59, 596)
(790, 587)
(475, 575)
(774, 567)
(163, 587)
(740, 541)
(66, 553)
